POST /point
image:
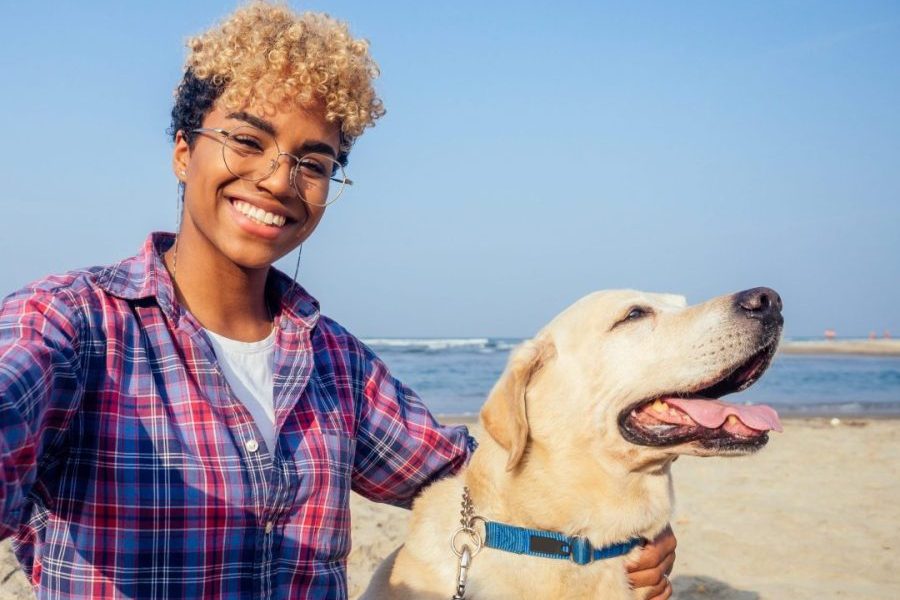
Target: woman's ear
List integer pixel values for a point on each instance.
(181, 156)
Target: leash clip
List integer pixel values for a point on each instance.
(462, 573)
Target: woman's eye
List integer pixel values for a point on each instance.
(313, 168)
(248, 143)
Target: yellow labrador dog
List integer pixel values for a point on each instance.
(583, 427)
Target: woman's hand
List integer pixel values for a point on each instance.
(651, 571)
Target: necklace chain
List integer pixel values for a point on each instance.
(268, 308)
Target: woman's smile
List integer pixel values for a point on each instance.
(253, 220)
(258, 213)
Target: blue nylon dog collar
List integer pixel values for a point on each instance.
(550, 544)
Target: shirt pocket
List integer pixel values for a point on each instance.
(329, 464)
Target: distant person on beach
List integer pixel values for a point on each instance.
(185, 423)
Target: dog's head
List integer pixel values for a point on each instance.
(639, 375)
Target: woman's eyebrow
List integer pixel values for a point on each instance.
(254, 120)
(315, 146)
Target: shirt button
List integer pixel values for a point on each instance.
(269, 526)
(251, 445)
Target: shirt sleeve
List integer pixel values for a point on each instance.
(40, 388)
(400, 447)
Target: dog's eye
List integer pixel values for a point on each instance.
(636, 313)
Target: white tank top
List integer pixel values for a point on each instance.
(248, 367)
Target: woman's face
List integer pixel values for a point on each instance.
(214, 198)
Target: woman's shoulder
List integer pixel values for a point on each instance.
(63, 307)
(90, 290)
(335, 339)
(336, 336)
(73, 289)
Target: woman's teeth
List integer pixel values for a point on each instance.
(259, 215)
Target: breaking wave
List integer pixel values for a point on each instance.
(483, 345)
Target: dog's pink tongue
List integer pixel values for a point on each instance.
(712, 413)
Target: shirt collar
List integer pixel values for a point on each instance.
(144, 275)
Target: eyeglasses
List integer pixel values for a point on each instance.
(253, 154)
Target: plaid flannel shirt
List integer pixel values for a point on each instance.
(130, 469)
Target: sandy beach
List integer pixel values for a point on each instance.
(814, 515)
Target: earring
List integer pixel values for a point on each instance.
(179, 208)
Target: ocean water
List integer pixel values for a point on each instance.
(453, 376)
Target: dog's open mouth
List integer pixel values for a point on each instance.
(699, 416)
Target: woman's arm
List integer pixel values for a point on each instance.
(400, 447)
(40, 388)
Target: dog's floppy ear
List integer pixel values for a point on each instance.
(504, 414)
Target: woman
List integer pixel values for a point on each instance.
(185, 423)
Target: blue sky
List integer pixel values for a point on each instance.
(707, 147)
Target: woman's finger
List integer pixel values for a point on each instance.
(653, 553)
(653, 576)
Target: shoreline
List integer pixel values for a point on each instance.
(848, 347)
(816, 346)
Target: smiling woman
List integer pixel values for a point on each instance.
(192, 398)
(264, 119)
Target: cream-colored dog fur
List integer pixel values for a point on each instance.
(555, 458)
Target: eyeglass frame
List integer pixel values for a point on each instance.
(226, 134)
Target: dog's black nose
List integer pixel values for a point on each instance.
(759, 303)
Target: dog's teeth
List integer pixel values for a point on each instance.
(732, 420)
(660, 406)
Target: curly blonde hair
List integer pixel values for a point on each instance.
(269, 54)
